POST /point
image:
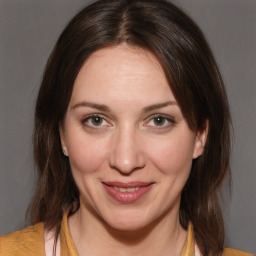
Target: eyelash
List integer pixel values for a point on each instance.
(168, 119)
(90, 117)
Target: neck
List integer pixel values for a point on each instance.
(92, 236)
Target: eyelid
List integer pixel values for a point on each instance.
(88, 117)
(170, 119)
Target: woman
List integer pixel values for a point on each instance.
(126, 121)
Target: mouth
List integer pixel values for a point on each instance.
(126, 189)
(127, 192)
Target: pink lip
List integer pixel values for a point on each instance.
(128, 196)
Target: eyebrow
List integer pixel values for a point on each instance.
(159, 105)
(92, 105)
(107, 109)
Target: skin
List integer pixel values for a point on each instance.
(127, 144)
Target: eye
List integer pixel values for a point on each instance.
(160, 121)
(95, 121)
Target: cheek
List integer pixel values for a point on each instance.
(86, 154)
(172, 156)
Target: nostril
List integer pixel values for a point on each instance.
(127, 167)
(126, 154)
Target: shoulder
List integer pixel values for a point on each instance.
(28, 241)
(233, 252)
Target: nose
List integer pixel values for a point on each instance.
(126, 154)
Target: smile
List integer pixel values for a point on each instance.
(126, 189)
(127, 192)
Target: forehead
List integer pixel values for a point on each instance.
(124, 73)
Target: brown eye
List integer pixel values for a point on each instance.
(159, 120)
(96, 120)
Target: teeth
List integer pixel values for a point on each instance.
(126, 189)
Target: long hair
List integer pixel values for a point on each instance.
(188, 63)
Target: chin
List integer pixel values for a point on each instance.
(128, 221)
(127, 226)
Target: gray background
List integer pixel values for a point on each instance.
(28, 31)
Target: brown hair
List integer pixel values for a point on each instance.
(163, 29)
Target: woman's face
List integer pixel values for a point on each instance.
(129, 146)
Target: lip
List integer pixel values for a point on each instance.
(126, 197)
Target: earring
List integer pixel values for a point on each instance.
(64, 152)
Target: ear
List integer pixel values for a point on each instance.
(201, 138)
(62, 139)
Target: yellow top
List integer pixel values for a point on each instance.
(30, 242)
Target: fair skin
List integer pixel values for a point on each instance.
(124, 130)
